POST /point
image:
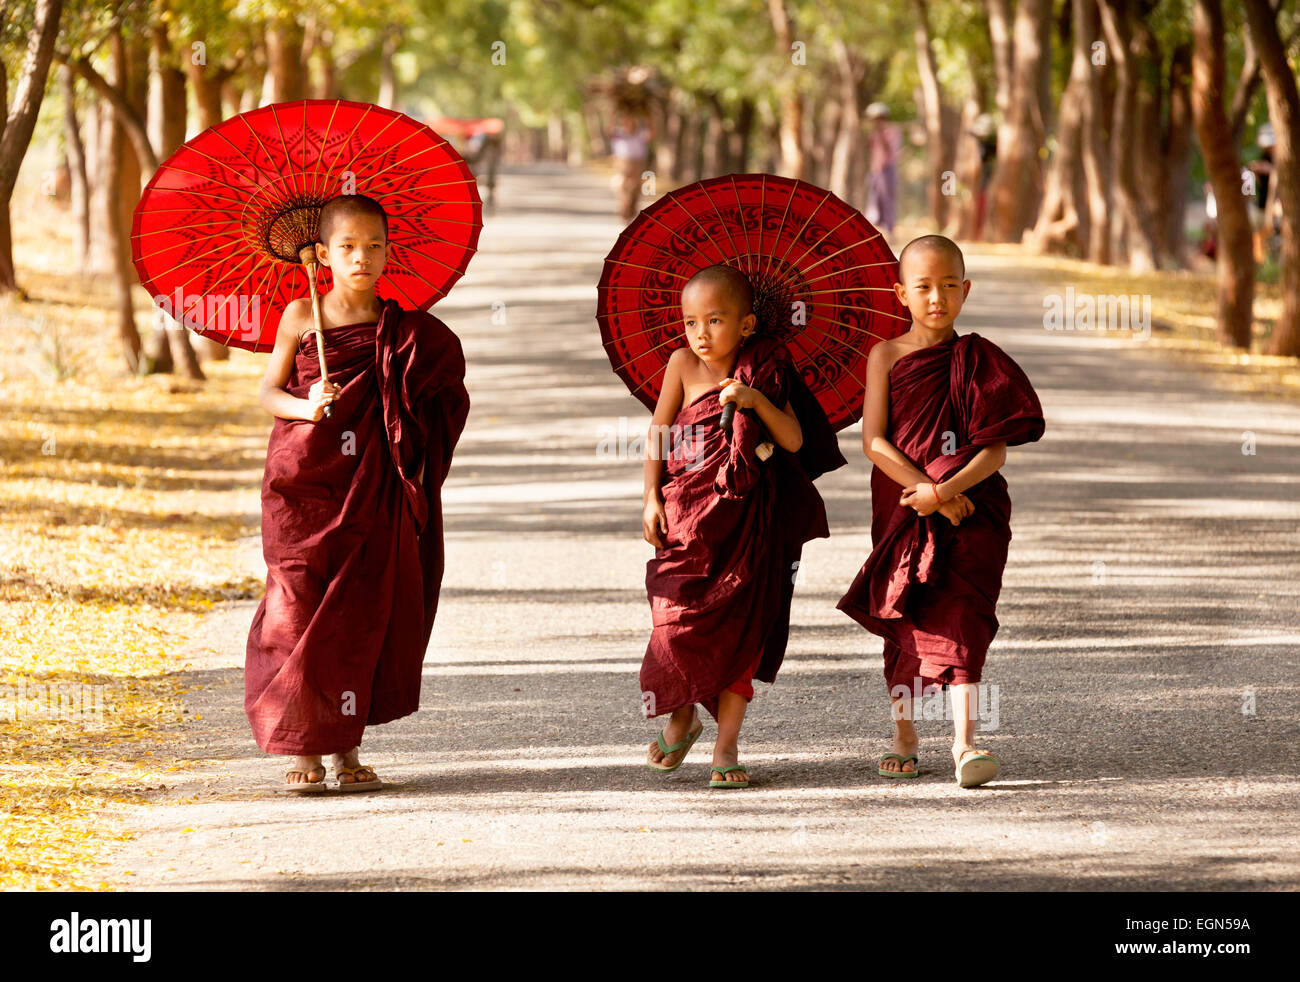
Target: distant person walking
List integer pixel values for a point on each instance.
(884, 146)
(630, 142)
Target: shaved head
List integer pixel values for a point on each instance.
(733, 282)
(349, 206)
(933, 244)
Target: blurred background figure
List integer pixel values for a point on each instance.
(884, 145)
(1264, 217)
(480, 142)
(630, 143)
(985, 133)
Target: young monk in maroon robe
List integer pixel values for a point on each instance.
(728, 519)
(940, 412)
(351, 509)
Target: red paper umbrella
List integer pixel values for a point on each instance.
(822, 278)
(218, 237)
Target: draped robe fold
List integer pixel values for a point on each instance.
(721, 587)
(929, 589)
(353, 540)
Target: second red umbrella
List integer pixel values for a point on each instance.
(822, 277)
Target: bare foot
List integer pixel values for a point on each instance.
(680, 725)
(727, 758)
(304, 771)
(349, 759)
(905, 743)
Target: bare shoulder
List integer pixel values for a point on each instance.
(886, 353)
(681, 357)
(685, 362)
(296, 316)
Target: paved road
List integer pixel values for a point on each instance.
(1150, 597)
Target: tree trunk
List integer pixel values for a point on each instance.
(668, 141)
(1017, 184)
(119, 166)
(849, 69)
(1060, 220)
(743, 134)
(1284, 114)
(284, 39)
(822, 117)
(1135, 237)
(387, 75)
(715, 161)
(792, 155)
(1234, 252)
(166, 112)
(206, 81)
(329, 79)
(76, 167)
(16, 129)
(999, 18)
(699, 124)
(1177, 156)
(938, 132)
(1085, 27)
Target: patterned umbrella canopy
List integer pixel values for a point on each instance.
(216, 236)
(822, 278)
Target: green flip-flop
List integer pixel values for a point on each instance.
(975, 767)
(902, 759)
(684, 745)
(724, 771)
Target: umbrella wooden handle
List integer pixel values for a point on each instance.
(308, 256)
(728, 414)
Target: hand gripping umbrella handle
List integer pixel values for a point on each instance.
(763, 451)
(308, 256)
(728, 414)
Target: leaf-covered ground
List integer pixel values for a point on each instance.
(122, 503)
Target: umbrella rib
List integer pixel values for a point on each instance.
(723, 222)
(854, 327)
(707, 237)
(653, 269)
(811, 214)
(215, 250)
(671, 231)
(650, 378)
(414, 304)
(218, 131)
(851, 269)
(316, 187)
(840, 251)
(410, 248)
(637, 334)
(448, 162)
(790, 189)
(740, 218)
(231, 238)
(444, 184)
(827, 235)
(378, 133)
(648, 351)
(878, 310)
(178, 169)
(826, 378)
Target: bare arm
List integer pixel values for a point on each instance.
(783, 424)
(272, 396)
(987, 461)
(875, 422)
(654, 523)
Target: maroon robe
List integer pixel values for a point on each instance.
(721, 587)
(353, 542)
(927, 588)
